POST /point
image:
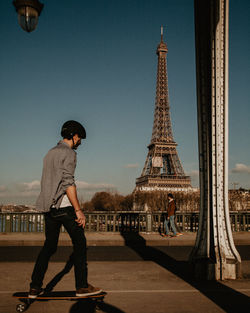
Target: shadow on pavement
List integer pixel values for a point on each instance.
(101, 253)
(87, 306)
(68, 266)
(225, 297)
(90, 307)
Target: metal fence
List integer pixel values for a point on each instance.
(118, 222)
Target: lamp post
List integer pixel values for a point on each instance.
(28, 12)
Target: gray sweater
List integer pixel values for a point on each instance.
(58, 174)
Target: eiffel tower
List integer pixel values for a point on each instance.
(162, 169)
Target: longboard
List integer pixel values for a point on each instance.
(53, 295)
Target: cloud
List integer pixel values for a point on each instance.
(32, 186)
(20, 190)
(135, 165)
(3, 188)
(194, 174)
(241, 168)
(87, 190)
(97, 186)
(27, 192)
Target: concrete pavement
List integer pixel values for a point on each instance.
(113, 239)
(132, 287)
(142, 274)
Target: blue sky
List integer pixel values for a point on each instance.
(95, 62)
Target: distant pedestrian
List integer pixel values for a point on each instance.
(59, 202)
(170, 216)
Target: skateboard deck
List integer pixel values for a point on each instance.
(53, 295)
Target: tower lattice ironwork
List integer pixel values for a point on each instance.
(162, 169)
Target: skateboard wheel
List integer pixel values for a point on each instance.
(21, 307)
(97, 306)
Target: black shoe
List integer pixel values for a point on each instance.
(34, 292)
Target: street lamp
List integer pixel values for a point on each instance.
(28, 13)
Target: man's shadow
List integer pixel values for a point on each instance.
(90, 307)
(81, 305)
(225, 297)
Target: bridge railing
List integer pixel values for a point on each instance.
(118, 221)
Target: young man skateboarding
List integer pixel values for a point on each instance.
(58, 200)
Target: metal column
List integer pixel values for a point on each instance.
(214, 255)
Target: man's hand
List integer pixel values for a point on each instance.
(81, 219)
(72, 195)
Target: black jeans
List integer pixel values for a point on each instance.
(53, 222)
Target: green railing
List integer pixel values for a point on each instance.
(117, 222)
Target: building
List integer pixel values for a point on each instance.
(162, 170)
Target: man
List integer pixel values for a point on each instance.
(170, 216)
(58, 200)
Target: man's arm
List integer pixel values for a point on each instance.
(72, 195)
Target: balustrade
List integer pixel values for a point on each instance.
(118, 221)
